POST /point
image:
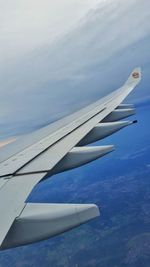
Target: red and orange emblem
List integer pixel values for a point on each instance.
(135, 75)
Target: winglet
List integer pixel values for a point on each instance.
(134, 77)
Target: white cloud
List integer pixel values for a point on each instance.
(28, 24)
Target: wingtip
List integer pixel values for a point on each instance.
(135, 76)
(137, 70)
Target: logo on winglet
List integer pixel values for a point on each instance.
(135, 75)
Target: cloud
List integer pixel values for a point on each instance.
(92, 53)
(28, 24)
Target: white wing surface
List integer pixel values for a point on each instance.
(56, 148)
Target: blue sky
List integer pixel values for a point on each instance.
(59, 56)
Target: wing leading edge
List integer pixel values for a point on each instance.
(56, 148)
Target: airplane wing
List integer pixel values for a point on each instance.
(55, 148)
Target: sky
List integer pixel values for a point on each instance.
(26, 25)
(57, 56)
